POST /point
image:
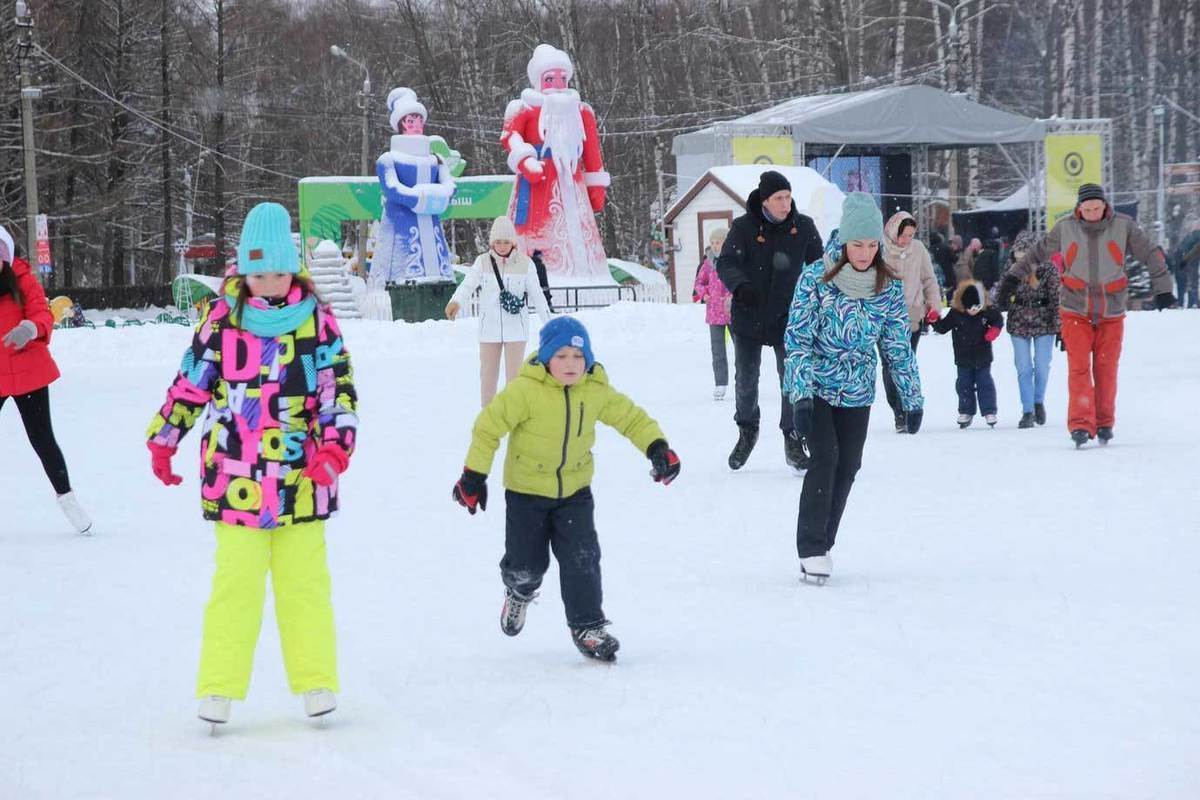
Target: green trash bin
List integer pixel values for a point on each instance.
(417, 302)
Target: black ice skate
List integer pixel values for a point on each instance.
(512, 615)
(1026, 420)
(1080, 437)
(595, 642)
(1104, 434)
(795, 450)
(1039, 413)
(747, 438)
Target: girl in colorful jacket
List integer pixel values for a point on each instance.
(269, 366)
(845, 306)
(551, 410)
(27, 369)
(717, 299)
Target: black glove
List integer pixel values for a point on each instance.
(802, 414)
(663, 461)
(912, 419)
(471, 491)
(1164, 300)
(1059, 342)
(746, 295)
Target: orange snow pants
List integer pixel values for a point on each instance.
(1093, 352)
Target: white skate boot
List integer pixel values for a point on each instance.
(816, 568)
(214, 709)
(719, 393)
(75, 513)
(319, 702)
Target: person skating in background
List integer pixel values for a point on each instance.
(846, 306)
(964, 267)
(943, 263)
(763, 254)
(717, 299)
(269, 366)
(27, 369)
(1033, 324)
(1094, 243)
(973, 326)
(539, 266)
(908, 258)
(1187, 260)
(508, 283)
(551, 411)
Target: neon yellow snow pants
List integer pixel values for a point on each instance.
(295, 556)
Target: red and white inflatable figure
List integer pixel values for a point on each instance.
(554, 149)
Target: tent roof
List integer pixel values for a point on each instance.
(892, 115)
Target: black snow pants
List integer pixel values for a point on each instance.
(35, 414)
(835, 448)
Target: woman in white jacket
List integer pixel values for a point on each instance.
(503, 319)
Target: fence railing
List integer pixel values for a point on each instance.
(569, 299)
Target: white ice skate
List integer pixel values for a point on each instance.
(964, 420)
(74, 512)
(990, 419)
(214, 709)
(816, 569)
(319, 702)
(719, 393)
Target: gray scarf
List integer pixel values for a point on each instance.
(854, 284)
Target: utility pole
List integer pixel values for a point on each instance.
(365, 101)
(29, 93)
(1160, 114)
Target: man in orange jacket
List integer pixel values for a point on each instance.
(1093, 243)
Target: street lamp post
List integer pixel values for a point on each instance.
(29, 93)
(365, 99)
(1160, 114)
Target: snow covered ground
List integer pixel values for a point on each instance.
(1009, 618)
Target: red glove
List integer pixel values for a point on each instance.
(327, 463)
(933, 316)
(596, 195)
(160, 464)
(531, 169)
(991, 334)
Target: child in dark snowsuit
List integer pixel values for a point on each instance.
(973, 325)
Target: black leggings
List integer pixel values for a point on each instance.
(35, 413)
(835, 447)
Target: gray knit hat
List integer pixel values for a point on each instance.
(1090, 191)
(861, 219)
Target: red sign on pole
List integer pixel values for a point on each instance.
(43, 244)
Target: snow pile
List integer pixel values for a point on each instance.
(1008, 617)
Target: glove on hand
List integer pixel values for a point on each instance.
(23, 334)
(746, 295)
(802, 414)
(471, 491)
(933, 316)
(664, 463)
(1161, 301)
(160, 464)
(912, 420)
(327, 463)
(991, 334)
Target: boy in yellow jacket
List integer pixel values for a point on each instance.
(551, 410)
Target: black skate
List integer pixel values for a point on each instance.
(1026, 420)
(1039, 413)
(1080, 437)
(595, 642)
(747, 438)
(512, 615)
(1104, 434)
(795, 450)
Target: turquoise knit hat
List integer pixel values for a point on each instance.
(266, 244)
(861, 218)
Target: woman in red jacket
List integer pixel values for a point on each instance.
(27, 370)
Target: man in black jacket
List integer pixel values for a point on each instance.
(763, 254)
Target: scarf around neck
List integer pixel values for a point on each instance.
(263, 319)
(854, 284)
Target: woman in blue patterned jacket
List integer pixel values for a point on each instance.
(844, 307)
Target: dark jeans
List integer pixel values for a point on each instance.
(972, 382)
(35, 413)
(835, 448)
(889, 384)
(747, 358)
(533, 526)
(716, 333)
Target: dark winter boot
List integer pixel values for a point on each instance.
(795, 450)
(595, 642)
(1026, 420)
(1104, 435)
(512, 615)
(747, 438)
(1080, 437)
(901, 422)
(1039, 413)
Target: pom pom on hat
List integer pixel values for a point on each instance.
(546, 57)
(266, 244)
(563, 332)
(861, 219)
(401, 102)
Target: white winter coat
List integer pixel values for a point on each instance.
(520, 278)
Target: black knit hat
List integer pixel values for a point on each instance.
(970, 297)
(1090, 191)
(771, 182)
